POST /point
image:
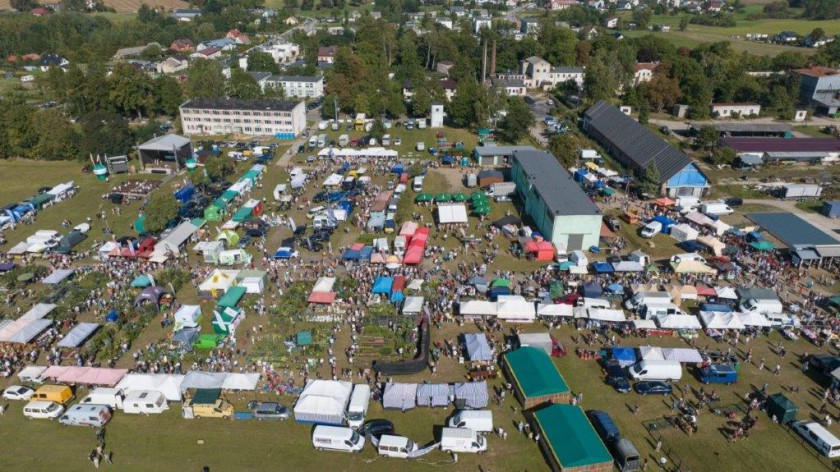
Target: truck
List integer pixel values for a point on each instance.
(501, 189)
(656, 370)
(461, 440)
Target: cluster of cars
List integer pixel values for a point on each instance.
(43, 241)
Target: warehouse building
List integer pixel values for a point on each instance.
(559, 208)
(637, 147)
(808, 150)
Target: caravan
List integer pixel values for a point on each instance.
(86, 415)
(145, 402)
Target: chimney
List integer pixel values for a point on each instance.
(493, 60)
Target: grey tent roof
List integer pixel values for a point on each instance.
(165, 143)
(477, 347)
(638, 143)
(200, 379)
(78, 335)
(57, 276)
(561, 194)
(185, 338)
(474, 393)
(402, 396)
(434, 395)
(29, 331)
(756, 293)
(151, 294)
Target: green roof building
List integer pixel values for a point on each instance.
(535, 377)
(570, 442)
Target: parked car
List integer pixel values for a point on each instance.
(244, 242)
(18, 392)
(376, 428)
(617, 378)
(255, 232)
(734, 201)
(269, 411)
(613, 223)
(653, 387)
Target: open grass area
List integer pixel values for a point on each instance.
(810, 206)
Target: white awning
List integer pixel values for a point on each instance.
(413, 305)
(57, 276)
(454, 213)
(606, 314)
(78, 335)
(555, 309)
(477, 308)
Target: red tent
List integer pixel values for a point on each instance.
(413, 255)
(399, 284)
(258, 209)
(705, 291)
(542, 250)
(357, 247)
(324, 298)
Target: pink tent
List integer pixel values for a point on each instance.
(408, 229)
(324, 298)
(92, 376)
(54, 372)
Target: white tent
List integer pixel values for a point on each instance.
(32, 373)
(219, 280)
(718, 320)
(555, 309)
(28, 332)
(413, 305)
(683, 355)
(378, 152)
(477, 347)
(187, 316)
(333, 180)
(539, 340)
(241, 382)
(78, 335)
(400, 396)
(754, 319)
(252, 280)
(57, 276)
(38, 311)
(651, 353)
(477, 308)
(716, 245)
(720, 227)
(691, 267)
(201, 379)
(452, 213)
(324, 284)
(323, 401)
(19, 248)
(628, 266)
(606, 314)
(515, 308)
(171, 244)
(644, 324)
(699, 218)
(677, 322)
(167, 384)
(106, 249)
(684, 232)
(726, 292)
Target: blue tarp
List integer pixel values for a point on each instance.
(185, 194)
(447, 160)
(350, 255)
(112, 316)
(398, 169)
(603, 267)
(626, 356)
(666, 223)
(397, 297)
(616, 288)
(592, 290)
(715, 307)
(365, 253)
(580, 175)
(382, 285)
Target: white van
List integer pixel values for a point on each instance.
(686, 205)
(761, 306)
(112, 397)
(145, 402)
(313, 141)
(656, 370)
(343, 140)
(579, 258)
(599, 303)
(313, 212)
(421, 146)
(86, 415)
(716, 209)
(358, 406)
(417, 186)
(651, 229)
(322, 140)
(396, 446)
(386, 140)
(337, 438)
(372, 141)
(651, 311)
(819, 437)
(462, 440)
(421, 123)
(43, 410)
(476, 420)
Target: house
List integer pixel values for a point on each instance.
(556, 5)
(496, 155)
(134, 51)
(298, 86)
(481, 23)
(617, 35)
(529, 26)
(223, 44)
(376, 15)
(445, 22)
(260, 77)
(326, 55)
(712, 6)
(592, 33)
(238, 36)
(280, 118)
(444, 67)
(611, 23)
(292, 21)
(727, 110)
(207, 53)
(282, 53)
(820, 87)
(643, 72)
(48, 61)
(511, 87)
(172, 64)
(637, 147)
(786, 37)
(559, 208)
(540, 73)
(407, 90)
(182, 45)
(185, 14)
(460, 12)
(12, 58)
(450, 87)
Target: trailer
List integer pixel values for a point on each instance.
(801, 191)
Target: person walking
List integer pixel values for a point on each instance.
(109, 458)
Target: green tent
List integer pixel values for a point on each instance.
(608, 191)
(762, 246)
(228, 196)
(483, 210)
(208, 341)
(39, 200)
(423, 197)
(231, 297)
(566, 265)
(140, 224)
(478, 195)
(782, 408)
(304, 338)
(555, 289)
(251, 175)
(652, 268)
(212, 213)
(232, 237)
(442, 197)
(243, 214)
(459, 197)
(500, 283)
(141, 281)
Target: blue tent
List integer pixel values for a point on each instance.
(600, 184)
(592, 290)
(754, 236)
(350, 255)
(496, 291)
(397, 297)
(626, 356)
(447, 160)
(382, 285)
(365, 253)
(580, 175)
(398, 169)
(721, 308)
(185, 193)
(616, 288)
(666, 223)
(112, 316)
(603, 267)
(283, 253)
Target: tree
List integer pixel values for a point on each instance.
(517, 122)
(604, 75)
(817, 34)
(723, 155)
(644, 114)
(241, 85)
(642, 17)
(205, 79)
(566, 148)
(377, 129)
(170, 95)
(707, 137)
(162, 209)
(683, 23)
(661, 92)
(218, 167)
(24, 5)
(649, 183)
(104, 133)
(462, 108)
(152, 52)
(57, 139)
(261, 61)
(131, 90)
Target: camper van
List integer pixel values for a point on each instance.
(217, 409)
(641, 299)
(358, 406)
(111, 397)
(461, 440)
(656, 370)
(145, 402)
(819, 437)
(476, 420)
(53, 393)
(718, 374)
(395, 446)
(86, 415)
(417, 186)
(651, 311)
(386, 140)
(322, 140)
(42, 410)
(337, 438)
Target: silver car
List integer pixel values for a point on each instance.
(270, 411)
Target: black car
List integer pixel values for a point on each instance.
(653, 387)
(244, 242)
(376, 428)
(320, 196)
(313, 246)
(734, 201)
(255, 232)
(301, 149)
(320, 236)
(617, 378)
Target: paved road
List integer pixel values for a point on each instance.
(540, 109)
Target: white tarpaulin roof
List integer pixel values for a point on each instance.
(57, 276)
(167, 384)
(220, 279)
(718, 320)
(413, 305)
(363, 152)
(171, 244)
(61, 188)
(628, 266)
(402, 396)
(606, 314)
(333, 180)
(477, 308)
(38, 311)
(692, 267)
(716, 245)
(319, 409)
(241, 382)
(644, 324)
(555, 309)
(726, 292)
(18, 248)
(515, 308)
(678, 322)
(452, 213)
(77, 336)
(670, 354)
(32, 373)
(200, 379)
(754, 319)
(477, 347)
(24, 331)
(324, 284)
(720, 227)
(539, 340)
(187, 316)
(699, 218)
(684, 232)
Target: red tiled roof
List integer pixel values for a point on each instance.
(818, 71)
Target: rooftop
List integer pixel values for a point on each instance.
(535, 374)
(296, 78)
(165, 142)
(571, 437)
(793, 231)
(818, 71)
(561, 194)
(236, 104)
(783, 144)
(728, 127)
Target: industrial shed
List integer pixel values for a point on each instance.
(570, 442)
(535, 378)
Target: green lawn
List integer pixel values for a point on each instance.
(810, 207)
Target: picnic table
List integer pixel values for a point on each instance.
(482, 374)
